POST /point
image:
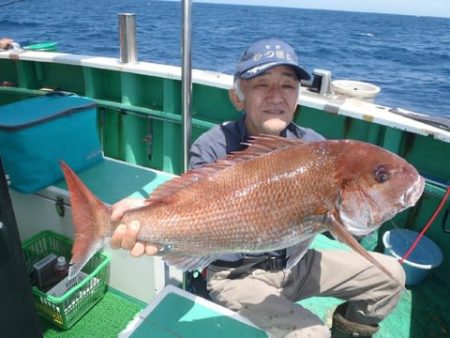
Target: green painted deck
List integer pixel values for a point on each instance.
(423, 312)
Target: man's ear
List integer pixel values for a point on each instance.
(238, 104)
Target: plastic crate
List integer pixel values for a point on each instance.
(66, 310)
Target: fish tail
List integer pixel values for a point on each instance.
(341, 232)
(91, 218)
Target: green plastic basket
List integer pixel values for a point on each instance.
(66, 310)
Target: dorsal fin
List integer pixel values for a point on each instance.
(257, 146)
(162, 193)
(264, 144)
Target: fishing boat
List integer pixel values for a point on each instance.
(147, 114)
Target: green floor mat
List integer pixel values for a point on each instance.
(106, 319)
(424, 311)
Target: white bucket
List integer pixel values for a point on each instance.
(425, 256)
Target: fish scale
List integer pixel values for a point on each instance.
(269, 190)
(272, 195)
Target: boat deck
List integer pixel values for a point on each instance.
(424, 311)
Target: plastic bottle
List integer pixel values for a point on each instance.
(61, 268)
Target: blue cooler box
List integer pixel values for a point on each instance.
(36, 133)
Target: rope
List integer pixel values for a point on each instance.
(425, 228)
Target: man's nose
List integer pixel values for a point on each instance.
(275, 94)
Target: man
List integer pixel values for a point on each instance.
(266, 89)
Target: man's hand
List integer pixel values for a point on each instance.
(125, 235)
(6, 43)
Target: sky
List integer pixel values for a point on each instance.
(439, 8)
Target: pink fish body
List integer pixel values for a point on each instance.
(273, 195)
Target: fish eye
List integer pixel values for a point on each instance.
(381, 174)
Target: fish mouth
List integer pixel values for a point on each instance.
(411, 196)
(407, 200)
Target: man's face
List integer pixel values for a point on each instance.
(270, 100)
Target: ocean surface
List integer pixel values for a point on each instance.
(407, 56)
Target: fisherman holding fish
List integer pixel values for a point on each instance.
(265, 287)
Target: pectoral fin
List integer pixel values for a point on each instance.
(340, 232)
(187, 262)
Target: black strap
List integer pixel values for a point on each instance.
(245, 269)
(243, 266)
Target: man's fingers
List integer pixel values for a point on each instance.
(130, 237)
(151, 250)
(116, 239)
(119, 208)
(125, 237)
(138, 249)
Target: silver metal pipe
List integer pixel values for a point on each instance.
(127, 26)
(186, 81)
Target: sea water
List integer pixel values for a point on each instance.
(407, 56)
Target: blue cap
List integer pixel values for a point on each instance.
(265, 54)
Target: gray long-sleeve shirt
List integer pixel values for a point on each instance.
(228, 137)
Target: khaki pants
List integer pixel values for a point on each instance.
(268, 298)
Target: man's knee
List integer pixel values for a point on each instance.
(383, 295)
(397, 283)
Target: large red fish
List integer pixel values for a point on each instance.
(270, 196)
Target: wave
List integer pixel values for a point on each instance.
(370, 35)
(397, 52)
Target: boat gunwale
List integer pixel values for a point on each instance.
(333, 104)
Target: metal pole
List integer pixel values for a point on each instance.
(186, 81)
(127, 25)
(186, 89)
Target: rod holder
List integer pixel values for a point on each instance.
(127, 26)
(322, 82)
